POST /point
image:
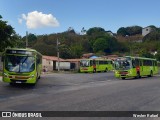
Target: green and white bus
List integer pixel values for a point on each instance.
(21, 65)
(135, 67)
(95, 65)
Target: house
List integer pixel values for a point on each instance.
(51, 62)
(146, 30)
(75, 63)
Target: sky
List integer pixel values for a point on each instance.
(56, 16)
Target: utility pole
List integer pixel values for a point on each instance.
(58, 55)
(26, 39)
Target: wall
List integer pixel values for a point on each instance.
(146, 30)
(48, 64)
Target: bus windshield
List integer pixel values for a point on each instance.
(84, 63)
(122, 64)
(19, 63)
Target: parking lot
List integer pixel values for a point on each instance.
(82, 92)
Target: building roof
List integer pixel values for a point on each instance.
(53, 58)
(147, 27)
(87, 55)
(112, 57)
(72, 60)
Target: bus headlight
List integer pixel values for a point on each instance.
(32, 76)
(117, 72)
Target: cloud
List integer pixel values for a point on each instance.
(37, 19)
(20, 20)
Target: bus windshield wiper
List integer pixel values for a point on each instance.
(25, 59)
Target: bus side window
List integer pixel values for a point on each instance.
(91, 63)
(140, 63)
(133, 63)
(94, 62)
(156, 63)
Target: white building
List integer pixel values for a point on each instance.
(51, 63)
(146, 30)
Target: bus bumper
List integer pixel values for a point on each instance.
(128, 75)
(19, 79)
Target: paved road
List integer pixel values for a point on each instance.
(83, 92)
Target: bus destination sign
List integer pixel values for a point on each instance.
(22, 52)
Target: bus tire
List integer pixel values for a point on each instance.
(106, 70)
(33, 84)
(123, 78)
(12, 84)
(94, 71)
(38, 77)
(138, 75)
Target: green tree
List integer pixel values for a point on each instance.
(105, 44)
(153, 36)
(100, 44)
(95, 33)
(147, 55)
(65, 51)
(6, 33)
(96, 30)
(76, 50)
(16, 41)
(133, 30)
(122, 32)
(45, 49)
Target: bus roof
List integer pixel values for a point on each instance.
(140, 58)
(25, 49)
(97, 59)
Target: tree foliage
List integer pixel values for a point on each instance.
(153, 36)
(96, 31)
(129, 31)
(7, 35)
(95, 39)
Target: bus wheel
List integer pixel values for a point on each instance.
(106, 70)
(12, 84)
(94, 71)
(138, 75)
(32, 84)
(123, 78)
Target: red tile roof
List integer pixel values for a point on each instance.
(53, 58)
(72, 60)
